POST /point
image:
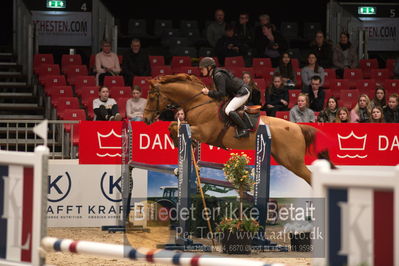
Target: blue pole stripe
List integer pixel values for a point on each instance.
(132, 254)
(176, 258)
(57, 245)
(3, 221)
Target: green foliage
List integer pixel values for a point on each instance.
(234, 225)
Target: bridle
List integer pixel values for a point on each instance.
(155, 90)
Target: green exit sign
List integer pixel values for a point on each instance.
(56, 4)
(367, 10)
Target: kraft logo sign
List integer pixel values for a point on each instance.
(111, 187)
(58, 187)
(110, 141)
(352, 142)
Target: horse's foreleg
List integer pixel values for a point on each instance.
(173, 133)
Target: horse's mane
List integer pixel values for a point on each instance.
(180, 78)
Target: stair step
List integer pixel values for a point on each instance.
(6, 54)
(14, 85)
(11, 74)
(21, 117)
(8, 64)
(20, 106)
(16, 95)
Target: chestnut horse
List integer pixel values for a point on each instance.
(290, 141)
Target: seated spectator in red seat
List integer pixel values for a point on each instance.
(316, 94)
(322, 49)
(379, 98)
(135, 62)
(330, 113)
(135, 106)
(301, 113)
(228, 45)
(254, 99)
(271, 44)
(105, 108)
(286, 70)
(276, 96)
(391, 111)
(344, 55)
(342, 115)
(362, 111)
(180, 116)
(107, 63)
(310, 70)
(377, 115)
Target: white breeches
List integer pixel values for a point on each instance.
(236, 103)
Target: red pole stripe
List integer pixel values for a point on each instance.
(73, 247)
(195, 260)
(150, 255)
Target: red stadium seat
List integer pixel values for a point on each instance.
(353, 73)
(47, 69)
(143, 83)
(65, 103)
(72, 71)
(122, 106)
(391, 86)
(83, 81)
(283, 115)
(69, 59)
(234, 61)
(238, 71)
(366, 65)
(114, 81)
(73, 114)
(207, 81)
(191, 70)
(121, 92)
(178, 61)
(264, 72)
(380, 74)
(261, 62)
(161, 70)
(59, 91)
(157, 60)
(336, 85)
(53, 80)
(40, 59)
(390, 65)
(293, 97)
(348, 98)
(295, 63)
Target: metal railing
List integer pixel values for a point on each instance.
(17, 135)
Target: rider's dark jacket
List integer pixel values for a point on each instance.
(226, 85)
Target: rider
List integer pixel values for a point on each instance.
(227, 85)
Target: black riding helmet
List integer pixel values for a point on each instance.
(207, 62)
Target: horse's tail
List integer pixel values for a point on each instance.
(316, 143)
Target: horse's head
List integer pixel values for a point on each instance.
(156, 102)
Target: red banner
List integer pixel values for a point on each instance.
(350, 144)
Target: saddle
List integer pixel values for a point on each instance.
(249, 114)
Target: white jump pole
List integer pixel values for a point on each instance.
(143, 254)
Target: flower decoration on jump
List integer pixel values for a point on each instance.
(237, 172)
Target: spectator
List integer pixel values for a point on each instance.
(276, 96)
(107, 63)
(342, 115)
(271, 44)
(322, 49)
(105, 108)
(316, 94)
(301, 113)
(330, 113)
(361, 112)
(344, 55)
(264, 19)
(244, 32)
(135, 106)
(310, 70)
(135, 62)
(391, 111)
(216, 28)
(228, 45)
(226, 84)
(254, 99)
(287, 71)
(396, 69)
(377, 115)
(379, 98)
(180, 116)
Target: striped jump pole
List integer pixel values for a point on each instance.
(143, 254)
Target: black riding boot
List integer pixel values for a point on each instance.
(242, 129)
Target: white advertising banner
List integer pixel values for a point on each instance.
(63, 28)
(382, 34)
(88, 195)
